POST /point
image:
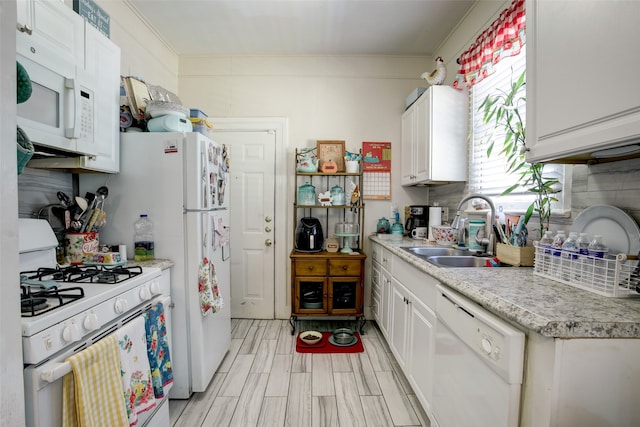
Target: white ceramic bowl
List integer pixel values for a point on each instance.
(311, 337)
(444, 235)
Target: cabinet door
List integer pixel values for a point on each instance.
(421, 349)
(385, 302)
(102, 72)
(407, 158)
(310, 295)
(55, 35)
(422, 146)
(589, 105)
(345, 295)
(398, 322)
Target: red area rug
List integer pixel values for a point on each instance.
(324, 346)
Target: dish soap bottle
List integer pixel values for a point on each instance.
(143, 241)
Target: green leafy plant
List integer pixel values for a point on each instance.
(505, 110)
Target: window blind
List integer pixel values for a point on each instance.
(488, 174)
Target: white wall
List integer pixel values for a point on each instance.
(143, 53)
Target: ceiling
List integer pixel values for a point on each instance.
(303, 27)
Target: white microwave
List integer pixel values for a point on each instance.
(60, 114)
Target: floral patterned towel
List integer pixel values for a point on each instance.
(135, 370)
(158, 349)
(210, 299)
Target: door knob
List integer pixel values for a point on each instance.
(267, 218)
(267, 229)
(268, 242)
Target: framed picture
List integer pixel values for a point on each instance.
(331, 150)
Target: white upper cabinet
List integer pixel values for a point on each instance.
(583, 94)
(434, 138)
(50, 35)
(102, 68)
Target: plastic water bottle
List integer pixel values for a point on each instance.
(583, 252)
(597, 253)
(570, 250)
(556, 251)
(143, 241)
(544, 251)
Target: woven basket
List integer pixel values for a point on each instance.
(25, 149)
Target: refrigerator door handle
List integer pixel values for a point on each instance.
(184, 210)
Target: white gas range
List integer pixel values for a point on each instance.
(67, 309)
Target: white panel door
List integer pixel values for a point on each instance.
(252, 195)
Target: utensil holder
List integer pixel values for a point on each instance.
(517, 256)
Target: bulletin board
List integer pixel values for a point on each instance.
(376, 170)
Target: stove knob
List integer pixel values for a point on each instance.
(145, 293)
(90, 322)
(155, 287)
(71, 333)
(121, 305)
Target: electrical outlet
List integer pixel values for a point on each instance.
(445, 214)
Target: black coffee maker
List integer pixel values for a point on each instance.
(418, 217)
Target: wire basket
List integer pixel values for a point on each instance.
(611, 276)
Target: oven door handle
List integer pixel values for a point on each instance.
(58, 371)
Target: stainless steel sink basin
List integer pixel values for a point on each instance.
(458, 261)
(429, 251)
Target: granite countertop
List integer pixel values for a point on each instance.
(162, 264)
(535, 303)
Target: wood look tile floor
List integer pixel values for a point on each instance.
(263, 381)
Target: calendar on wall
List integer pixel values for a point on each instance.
(376, 170)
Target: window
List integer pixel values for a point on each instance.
(488, 175)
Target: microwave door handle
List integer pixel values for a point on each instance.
(71, 104)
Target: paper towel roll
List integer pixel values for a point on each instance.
(435, 218)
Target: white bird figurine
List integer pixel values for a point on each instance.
(437, 76)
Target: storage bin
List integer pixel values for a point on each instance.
(195, 113)
(201, 125)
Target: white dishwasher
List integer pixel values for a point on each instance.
(477, 367)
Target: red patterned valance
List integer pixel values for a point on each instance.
(504, 37)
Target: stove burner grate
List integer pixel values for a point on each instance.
(36, 302)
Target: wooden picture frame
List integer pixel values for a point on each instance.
(331, 150)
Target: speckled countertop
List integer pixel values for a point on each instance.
(537, 304)
(162, 264)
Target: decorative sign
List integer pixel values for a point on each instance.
(93, 14)
(376, 170)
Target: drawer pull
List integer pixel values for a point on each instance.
(310, 268)
(344, 267)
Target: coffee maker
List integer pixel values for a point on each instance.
(418, 217)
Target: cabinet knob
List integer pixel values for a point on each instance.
(267, 229)
(310, 268)
(344, 267)
(267, 218)
(268, 242)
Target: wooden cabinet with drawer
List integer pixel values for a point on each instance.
(327, 284)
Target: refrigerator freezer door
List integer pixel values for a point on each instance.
(206, 169)
(207, 288)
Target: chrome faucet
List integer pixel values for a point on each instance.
(486, 242)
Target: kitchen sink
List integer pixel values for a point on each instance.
(447, 257)
(429, 251)
(458, 261)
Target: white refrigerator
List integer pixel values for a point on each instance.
(181, 181)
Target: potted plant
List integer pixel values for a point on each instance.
(504, 110)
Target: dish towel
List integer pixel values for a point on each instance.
(135, 370)
(158, 349)
(210, 299)
(92, 392)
